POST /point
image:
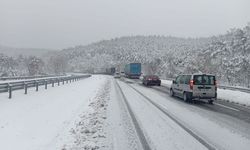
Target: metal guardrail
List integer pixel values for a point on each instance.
(27, 77)
(12, 86)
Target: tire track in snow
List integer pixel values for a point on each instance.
(163, 110)
(139, 131)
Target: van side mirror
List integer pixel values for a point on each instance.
(174, 82)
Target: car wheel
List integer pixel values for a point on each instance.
(210, 102)
(185, 97)
(171, 92)
(159, 84)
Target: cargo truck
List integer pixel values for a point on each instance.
(133, 70)
(111, 71)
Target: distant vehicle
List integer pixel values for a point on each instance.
(117, 75)
(111, 71)
(133, 70)
(122, 74)
(151, 80)
(195, 87)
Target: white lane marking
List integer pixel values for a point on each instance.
(226, 107)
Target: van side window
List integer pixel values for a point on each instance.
(178, 79)
(187, 79)
(182, 78)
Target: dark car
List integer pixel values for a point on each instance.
(151, 80)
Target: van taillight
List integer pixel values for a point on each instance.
(215, 83)
(191, 84)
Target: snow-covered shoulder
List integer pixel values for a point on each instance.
(44, 119)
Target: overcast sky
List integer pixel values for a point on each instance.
(60, 24)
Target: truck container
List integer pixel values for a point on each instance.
(111, 71)
(133, 70)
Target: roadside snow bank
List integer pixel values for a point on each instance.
(166, 82)
(39, 120)
(237, 97)
(88, 133)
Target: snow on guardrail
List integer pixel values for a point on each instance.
(17, 85)
(27, 77)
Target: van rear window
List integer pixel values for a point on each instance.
(204, 80)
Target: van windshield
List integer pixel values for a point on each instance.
(204, 80)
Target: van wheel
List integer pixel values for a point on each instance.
(186, 97)
(171, 93)
(211, 102)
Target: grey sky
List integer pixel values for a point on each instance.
(64, 23)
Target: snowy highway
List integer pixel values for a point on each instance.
(213, 129)
(220, 106)
(101, 112)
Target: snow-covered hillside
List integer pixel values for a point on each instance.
(159, 53)
(10, 51)
(227, 56)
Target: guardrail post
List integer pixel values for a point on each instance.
(10, 90)
(52, 83)
(37, 86)
(63, 81)
(58, 82)
(25, 88)
(46, 82)
(70, 80)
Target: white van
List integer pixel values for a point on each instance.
(195, 87)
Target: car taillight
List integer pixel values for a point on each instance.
(191, 84)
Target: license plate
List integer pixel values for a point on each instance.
(203, 90)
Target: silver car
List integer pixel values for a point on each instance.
(117, 75)
(195, 87)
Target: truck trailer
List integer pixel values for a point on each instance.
(111, 71)
(133, 70)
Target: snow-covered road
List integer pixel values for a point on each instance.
(161, 132)
(211, 126)
(101, 112)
